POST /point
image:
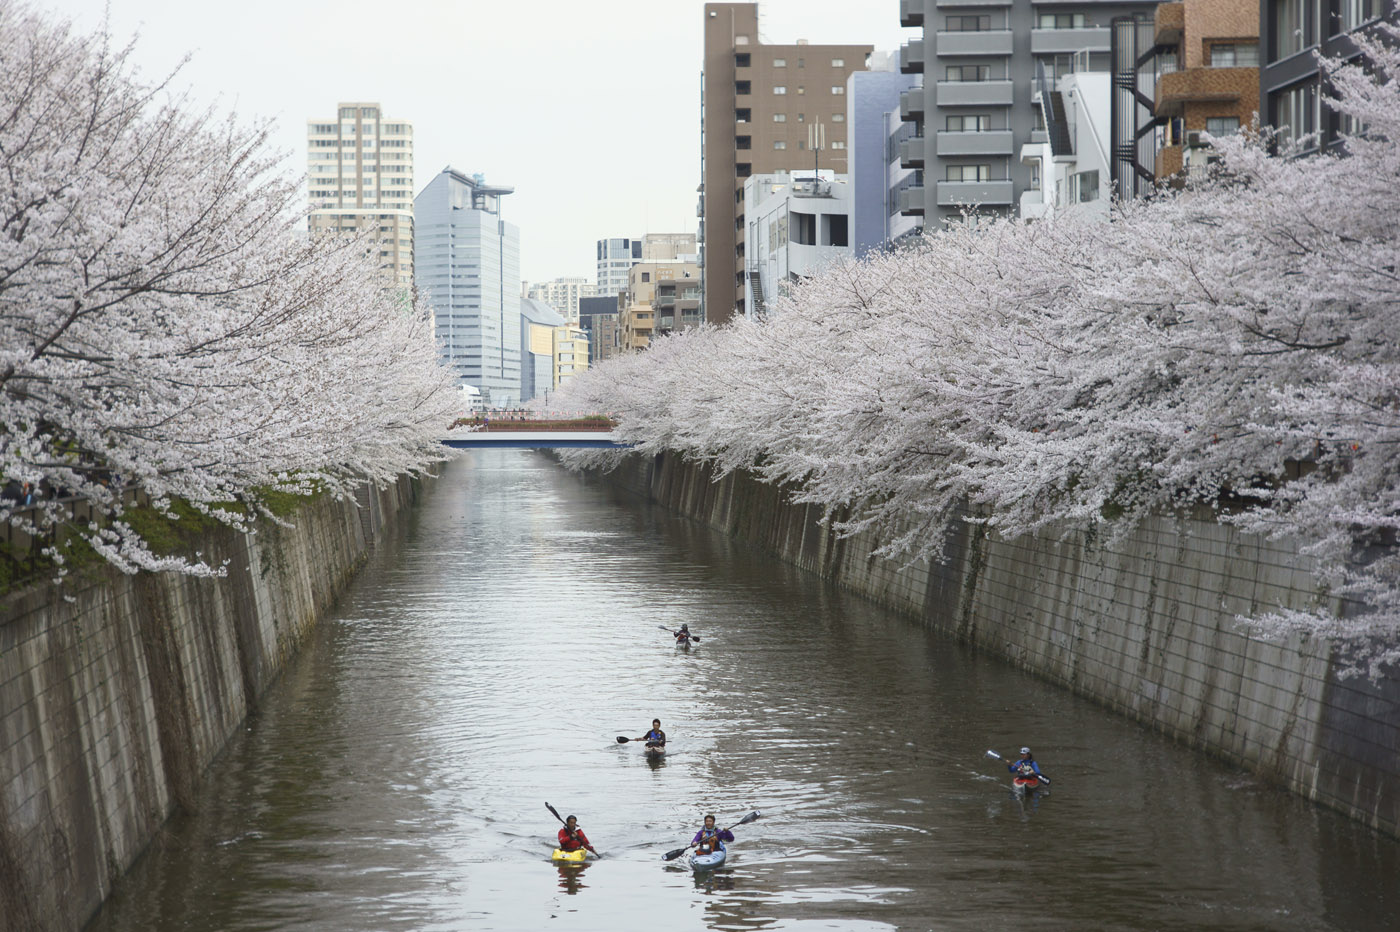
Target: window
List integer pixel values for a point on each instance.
(1060, 21)
(742, 87)
(969, 173)
(1296, 112)
(1234, 55)
(838, 118)
(838, 144)
(1295, 26)
(969, 72)
(799, 63)
(1222, 126)
(968, 23)
(743, 142)
(741, 40)
(838, 63)
(801, 89)
(780, 144)
(838, 89)
(1084, 187)
(800, 118)
(741, 60)
(976, 123)
(780, 63)
(1353, 13)
(779, 89)
(803, 228)
(780, 118)
(742, 115)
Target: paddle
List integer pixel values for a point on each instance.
(693, 637)
(672, 855)
(1040, 776)
(566, 825)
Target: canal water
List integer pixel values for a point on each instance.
(486, 659)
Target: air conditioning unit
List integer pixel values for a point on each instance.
(1193, 140)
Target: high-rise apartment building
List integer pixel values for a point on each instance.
(759, 104)
(563, 294)
(360, 178)
(984, 63)
(468, 272)
(615, 259)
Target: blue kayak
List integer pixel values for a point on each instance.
(709, 860)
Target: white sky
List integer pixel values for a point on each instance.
(590, 109)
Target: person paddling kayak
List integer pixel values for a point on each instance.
(571, 837)
(709, 838)
(683, 635)
(656, 738)
(1025, 765)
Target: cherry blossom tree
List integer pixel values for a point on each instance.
(165, 324)
(1233, 345)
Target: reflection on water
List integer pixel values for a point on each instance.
(485, 660)
(571, 877)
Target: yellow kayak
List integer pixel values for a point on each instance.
(561, 855)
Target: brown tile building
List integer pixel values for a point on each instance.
(759, 102)
(1208, 51)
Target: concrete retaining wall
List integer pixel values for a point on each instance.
(115, 699)
(1144, 625)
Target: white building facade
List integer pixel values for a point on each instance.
(468, 272)
(796, 225)
(563, 294)
(1071, 169)
(360, 178)
(615, 259)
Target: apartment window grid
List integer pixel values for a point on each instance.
(1060, 21)
(981, 23)
(968, 172)
(1234, 55)
(966, 73)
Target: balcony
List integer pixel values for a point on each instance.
(974, 193)
(984, 42)
(1205, 85)
(911, 152)
(988, 142)
(1069, 41)
(911, 200)
(911, 12)
(911, 57)
(1169, 22)
(974, 93)
(911, 105)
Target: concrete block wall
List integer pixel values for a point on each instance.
(118, 691)
(1144, 624)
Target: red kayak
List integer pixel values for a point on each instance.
(1025, 784)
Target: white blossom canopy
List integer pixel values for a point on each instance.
(165, 324)
(1234, 345)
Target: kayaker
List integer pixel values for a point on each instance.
(571, 837)
(709, 836)
(683, 634)
(656, 738)
(1024, 764)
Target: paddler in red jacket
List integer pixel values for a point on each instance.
(571, 837)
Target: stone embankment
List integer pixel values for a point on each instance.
(116, 694)
(1145, 626)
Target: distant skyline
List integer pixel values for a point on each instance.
(574, 104)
